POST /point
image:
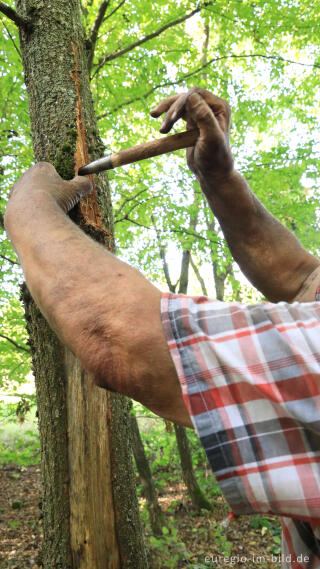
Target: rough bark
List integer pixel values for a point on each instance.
(156, 517)
(184, 271)
(90, 512)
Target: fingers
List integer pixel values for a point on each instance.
(177, 107)
(163, 106)
(175, 112)
(173, 107)
(70, 192)
(43, 177)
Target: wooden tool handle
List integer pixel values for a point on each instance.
(155, 147)
(142, 151)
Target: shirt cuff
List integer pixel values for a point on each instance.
(309, 288)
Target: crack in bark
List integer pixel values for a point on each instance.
(88, 205)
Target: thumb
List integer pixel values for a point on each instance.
(81, 186)
(73, 191)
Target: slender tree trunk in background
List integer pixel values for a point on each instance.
(199, 277)
(157, 519)
(198, 499)
(218, 276)
(90, 513)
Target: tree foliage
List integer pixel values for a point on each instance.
(262, 56)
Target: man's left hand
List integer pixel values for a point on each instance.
(42, 178)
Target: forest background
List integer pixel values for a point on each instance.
(263, 57)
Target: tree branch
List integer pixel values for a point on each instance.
(152, 90)
(15, 17)
(133, 207)
(114, 10)
(126, 218)
(12, 39)
(9, 260)
(197, 235)
(120, 52)
(263, 56)
(184, 271)
(186, 253)
(128, 199)
(95, 29)
(196, 72)
(14, 343)
(172, 230)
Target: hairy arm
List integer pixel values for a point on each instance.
(105, 311)
(267, 252)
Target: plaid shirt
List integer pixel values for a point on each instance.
(250, 378)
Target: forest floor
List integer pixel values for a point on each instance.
(247, 543)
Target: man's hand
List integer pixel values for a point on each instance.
(211, 157)
(43, 179)
(267, 252)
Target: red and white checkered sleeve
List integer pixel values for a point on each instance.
(250, 377)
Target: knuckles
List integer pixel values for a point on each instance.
(179, 101)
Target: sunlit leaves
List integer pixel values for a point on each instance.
(14, 350)
(262, 56)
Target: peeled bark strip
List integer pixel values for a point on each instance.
(90, 513)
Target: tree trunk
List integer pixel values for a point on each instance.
(197, 497)
(90, 513)
(219, 275)
(157, 520)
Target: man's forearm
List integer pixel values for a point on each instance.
(105, 311)
(270, 256)
(268, 253)
(61, 264)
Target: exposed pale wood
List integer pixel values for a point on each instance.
(93, 532)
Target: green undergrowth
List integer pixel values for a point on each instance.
(161, 449)
(19, 444)
(19, 437)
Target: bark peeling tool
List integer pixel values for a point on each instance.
(142, 151)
